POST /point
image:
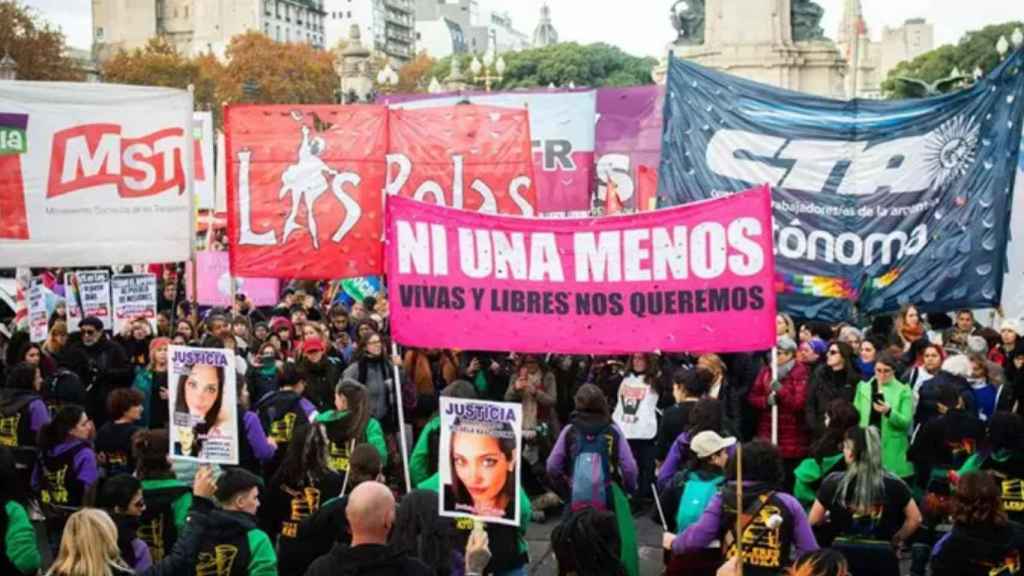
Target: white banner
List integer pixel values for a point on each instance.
(134, 297)
(38, 317)
(94, 174)
(221, 201)
(88, 294)
(479, 449)
(202, 400)
(202, 153)
(1013, 281)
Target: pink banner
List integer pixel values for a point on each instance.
(214, 283)
(693, 278)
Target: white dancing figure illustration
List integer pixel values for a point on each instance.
(306, 182)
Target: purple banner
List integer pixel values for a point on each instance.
(628, 147)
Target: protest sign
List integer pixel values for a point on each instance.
(562, 133)
(94, 174)
(88, 294)
(877, 203)
(202, 401)
(636, 409)
(304, 190)
(464, 156)
(202, 154)
(628, 147)
(38, 316)
(479, 450)
(134, 297)
(214, 283)
(694, 278)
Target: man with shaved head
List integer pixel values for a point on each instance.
(370, 512)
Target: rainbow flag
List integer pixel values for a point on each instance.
(820, 286)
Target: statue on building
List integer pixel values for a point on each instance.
(687, 18)
(806, 18)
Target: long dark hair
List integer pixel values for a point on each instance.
(57, 430)
(150, 448)
(706, 414)
(978, 501)
(841, 417)
(213, 414)
(10, 483)
(504, 435)
(421, 533)
(22, 376)
(353, 425)
(588, 542)
(305, 464)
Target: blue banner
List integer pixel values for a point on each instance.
(876, 203)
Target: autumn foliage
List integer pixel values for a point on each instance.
(38, 49)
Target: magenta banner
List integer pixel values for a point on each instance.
(628, 145)
(214, 283)
(693, 278)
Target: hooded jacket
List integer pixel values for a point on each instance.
(321, 378)
(233, 538)
(367, 560)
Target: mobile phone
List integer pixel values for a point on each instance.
(878, 398)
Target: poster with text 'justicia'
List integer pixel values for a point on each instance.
(203, 402)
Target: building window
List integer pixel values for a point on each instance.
(99, 33)
(277, 36)
(186, 11)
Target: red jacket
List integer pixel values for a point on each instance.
(793, 435)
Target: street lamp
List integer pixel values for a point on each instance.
(482, 71)
(387, 77)
(8, 68)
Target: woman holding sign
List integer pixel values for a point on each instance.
(203, 400)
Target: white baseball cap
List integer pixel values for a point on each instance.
(709, 443)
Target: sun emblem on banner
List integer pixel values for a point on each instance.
(950, 150)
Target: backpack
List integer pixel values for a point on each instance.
(696, 495)
(591, 472)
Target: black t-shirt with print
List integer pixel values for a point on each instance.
(880, 523)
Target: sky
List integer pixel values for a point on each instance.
(641, 27)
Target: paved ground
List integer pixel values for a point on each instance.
(648, 536)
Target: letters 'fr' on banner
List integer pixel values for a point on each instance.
(690, 278)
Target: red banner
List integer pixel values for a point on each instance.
(475, 158)
(304, 190)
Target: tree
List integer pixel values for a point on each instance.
(159, 64)
(290, 73)
(414, 76)
(561, 64)
(39, 50)
(976, 49)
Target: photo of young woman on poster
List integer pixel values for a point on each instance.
(202, 396)
(478, 460)
(483, 463)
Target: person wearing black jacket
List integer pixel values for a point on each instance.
(371, 513)
(955, 371)
(688, 387)
(947, 442)
(983, 541)
(836, 379)
(104, 367)
(322, 373)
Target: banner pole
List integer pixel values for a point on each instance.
(775, 406)
(401, 422)
(739, 509)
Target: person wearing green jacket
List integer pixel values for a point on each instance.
(167, 498)
(509, 551)
(888, 404)
(19, 553)
(826, 452)
(231, 537)
(423, 461)
(349, 424)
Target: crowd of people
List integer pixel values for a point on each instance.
(898, 440)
